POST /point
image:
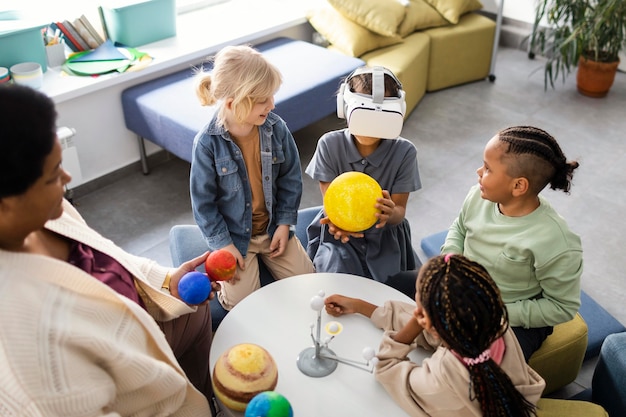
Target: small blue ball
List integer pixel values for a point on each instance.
(269, 404)
(194, 287)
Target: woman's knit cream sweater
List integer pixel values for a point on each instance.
(71, 346)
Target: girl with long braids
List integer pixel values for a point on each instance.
(510, 229)
(477, 368)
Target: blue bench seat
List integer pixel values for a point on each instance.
(165, 110)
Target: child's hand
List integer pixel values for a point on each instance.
(386, 208)
(338, 305)
(338, 233)
(279, 241)
(215, 287)
(241, 263)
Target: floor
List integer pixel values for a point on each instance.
(449, 128)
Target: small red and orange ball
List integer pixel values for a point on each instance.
(220, 265)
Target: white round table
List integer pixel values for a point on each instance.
(278, 317)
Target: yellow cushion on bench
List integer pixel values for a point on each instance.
(379, 16)
(420, 15)
(452, 10)
(460, 53)
(560, 357)
(346, 36)
(548, 407)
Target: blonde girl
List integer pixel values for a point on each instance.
(246, 180)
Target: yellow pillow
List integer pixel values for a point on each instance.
(420, 15)
(379, 16)
(453, 9)
(345, 35)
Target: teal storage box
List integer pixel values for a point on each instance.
(21, 44)
(136, 23)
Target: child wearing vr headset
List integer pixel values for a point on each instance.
(246, 178)
(372, 101)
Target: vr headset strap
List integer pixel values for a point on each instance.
(378, 85)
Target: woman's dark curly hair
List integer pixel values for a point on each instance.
(27, 135)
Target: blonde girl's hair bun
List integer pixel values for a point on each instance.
(203, 83)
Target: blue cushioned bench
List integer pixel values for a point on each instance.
(165, 110)
(600, 323)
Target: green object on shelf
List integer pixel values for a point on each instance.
(104, 59)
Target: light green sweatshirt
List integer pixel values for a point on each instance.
(536, 260)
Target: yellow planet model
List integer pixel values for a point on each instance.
(242, 372)
(350, 199)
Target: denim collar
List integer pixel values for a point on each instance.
(219, 130)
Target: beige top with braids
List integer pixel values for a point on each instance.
(439, 386)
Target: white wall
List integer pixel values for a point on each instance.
(522, 10)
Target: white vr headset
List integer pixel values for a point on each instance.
(376, 115)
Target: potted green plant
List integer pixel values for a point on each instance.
(587, 34)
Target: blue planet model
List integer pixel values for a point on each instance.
(194, 287)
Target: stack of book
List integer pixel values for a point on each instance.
(80, 35)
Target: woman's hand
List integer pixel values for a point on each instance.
(338, 233)
(186, 267)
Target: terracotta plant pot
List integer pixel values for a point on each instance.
(594, 79)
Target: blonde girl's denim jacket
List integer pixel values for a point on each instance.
(221, 198)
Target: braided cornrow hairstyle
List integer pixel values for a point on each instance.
(465, 307)
(542, 160)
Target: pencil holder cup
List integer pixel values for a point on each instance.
(55, 54)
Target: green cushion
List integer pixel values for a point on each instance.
(561, 355)
(548, 407)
